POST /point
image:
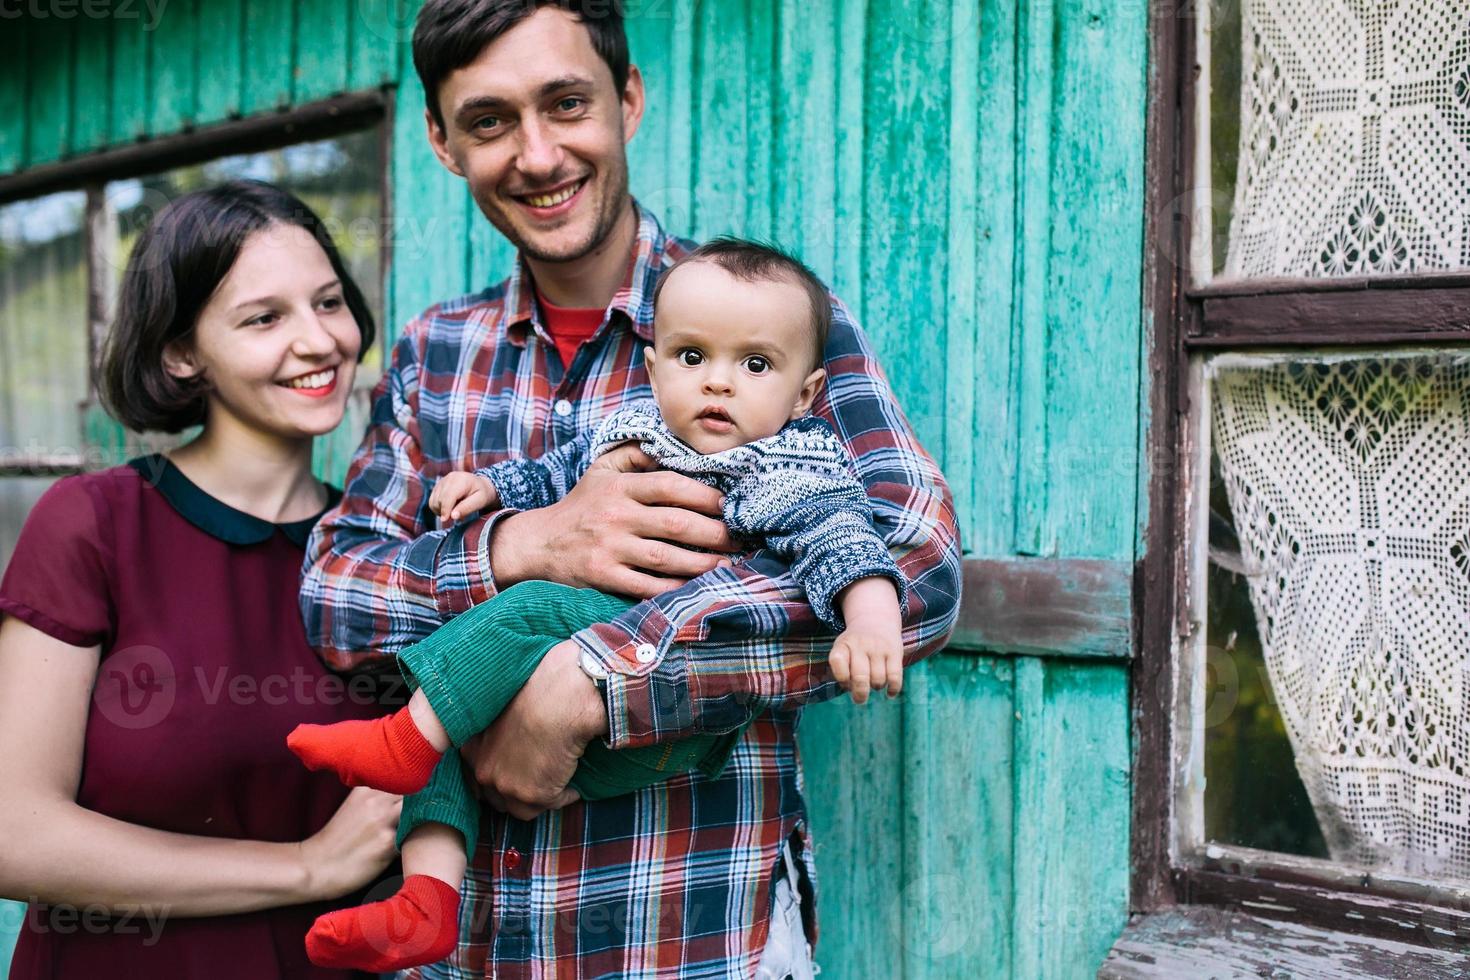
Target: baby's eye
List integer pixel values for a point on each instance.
(756, 364)
(689, 357)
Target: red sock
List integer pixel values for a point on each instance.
(418, 925)
(387, 753)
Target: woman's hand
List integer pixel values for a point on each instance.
(354, 846)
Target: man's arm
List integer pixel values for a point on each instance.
(376, 578)
(710, 655)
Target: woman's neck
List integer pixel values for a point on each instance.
(263, 475)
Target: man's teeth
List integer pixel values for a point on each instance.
(552, 200)
(319, 380)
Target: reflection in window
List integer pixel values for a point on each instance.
(1339, 138)
(43, 326)
(1341, 562)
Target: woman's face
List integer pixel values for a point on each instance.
(276, 342)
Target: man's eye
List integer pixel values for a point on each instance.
(690, 358)
(570, 104)
(757, 364)
(484, 125)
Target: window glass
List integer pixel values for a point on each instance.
(1337, 715)
(43, 326)
(1338, 137)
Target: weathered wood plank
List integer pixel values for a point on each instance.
(724, 172)
(906, 202)
(1206, 942)
(1071, 818)
(49, 52)
(955, 897)
(1094, 276)
(1033, 239)
(174, 80)
(1074, 608)
(130, 80)
(853, 757)
(956, 453)
(92, 82)
(379, 30)
(321, 50)
(14, 96)
(430, 230)
(804, 141)
(849, 224)
(270, 32)
(220, 31)
(988, 505)
(1364, 316)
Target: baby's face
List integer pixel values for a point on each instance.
(732, 361)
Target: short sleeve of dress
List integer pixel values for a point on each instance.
(57, 579)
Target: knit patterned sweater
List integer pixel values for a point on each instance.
(796, 491)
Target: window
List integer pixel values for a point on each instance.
(1303, 692)
(62, 254)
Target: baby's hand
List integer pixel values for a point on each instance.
(461, 493)
(864, 660)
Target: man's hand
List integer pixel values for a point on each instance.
(524, 761)
(621, 529)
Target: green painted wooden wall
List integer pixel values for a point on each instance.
(968, 174)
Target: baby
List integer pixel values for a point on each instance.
(736, 362)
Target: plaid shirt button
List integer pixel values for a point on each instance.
(646, 653)
(563, 408)
(512, 859)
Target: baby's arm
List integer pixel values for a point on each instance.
(868, 654)
(805, 500)
(460, 493)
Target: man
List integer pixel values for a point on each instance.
(533, 103)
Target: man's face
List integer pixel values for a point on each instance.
(537, 128)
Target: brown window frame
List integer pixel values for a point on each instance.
(91, 174)
(1184, 320)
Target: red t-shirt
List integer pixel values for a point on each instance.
(205, 668)
(570, 328)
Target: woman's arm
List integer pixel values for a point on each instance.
(53, 850)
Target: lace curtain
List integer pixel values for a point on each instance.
(1354, 138)
(1349, 481)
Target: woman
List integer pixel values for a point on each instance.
(152, 651)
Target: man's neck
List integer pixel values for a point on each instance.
(589, 282)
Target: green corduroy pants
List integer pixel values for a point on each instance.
(473, 666)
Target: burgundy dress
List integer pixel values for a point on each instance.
(204, 670)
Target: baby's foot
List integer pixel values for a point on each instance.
(418, 925)
(388, 753)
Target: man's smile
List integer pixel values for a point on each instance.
(554, 201)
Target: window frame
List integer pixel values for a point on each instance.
(353, 112)
(1184, 320)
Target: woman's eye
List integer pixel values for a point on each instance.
(757, 365)
(690, 358)
(332, 304)
(264, 320)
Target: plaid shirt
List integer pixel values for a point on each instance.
(674, 880)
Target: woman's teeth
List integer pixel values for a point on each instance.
(552, 200)
(319, 380)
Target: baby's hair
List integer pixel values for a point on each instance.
(752, 261)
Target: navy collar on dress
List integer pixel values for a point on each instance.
(215, 517)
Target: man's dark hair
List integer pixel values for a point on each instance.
(450, 34)
(179, 260)
(752, 261)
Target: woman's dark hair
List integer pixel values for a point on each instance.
(179, 260)
(450, 34)
(752, 261)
